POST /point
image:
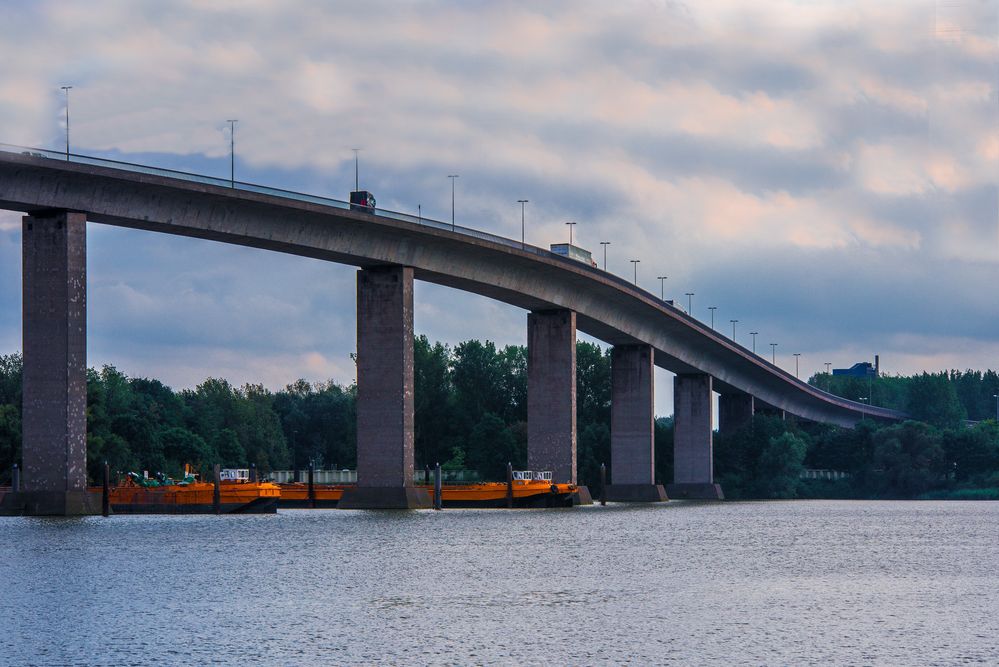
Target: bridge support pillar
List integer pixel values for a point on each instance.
(693, 462)
(633, 426)
(385, 393)
(54, 329)
(551, 394)
(735, 411)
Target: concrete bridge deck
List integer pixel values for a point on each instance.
(392, 249)
(608, 307)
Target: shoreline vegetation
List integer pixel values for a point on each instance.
(471, 413)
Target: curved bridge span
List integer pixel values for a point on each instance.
(392, 249)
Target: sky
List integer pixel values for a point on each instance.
(823, 172)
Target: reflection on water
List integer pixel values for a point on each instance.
(825, 582)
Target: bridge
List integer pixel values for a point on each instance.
(391, 250)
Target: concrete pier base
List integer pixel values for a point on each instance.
(48, 503)
(693, 456)
(582, 496)
(636, 493)
(385, 498)
(54, 329)
(551, 394)
(695, 491)
(633, 426)
(385, 392)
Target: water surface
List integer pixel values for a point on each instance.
(769, 583)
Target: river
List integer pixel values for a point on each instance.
(755, 583)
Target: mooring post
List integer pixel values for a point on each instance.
(15, 479)
(106, 492)
(312, 485)
(509, 484)
(438, 504)
(217, 489)
(603, 484)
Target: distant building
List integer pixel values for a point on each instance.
(862, 369)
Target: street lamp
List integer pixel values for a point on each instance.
(773, 353)
(662, 287)
(796, 355)
(828, 366)
(571, 225)
(733, 329)
(689, 302)
(754, 334)
(712, 309)
(996, 396)
(605, 244)
(66, 89)
(452, 177)
(863, 410)
(232, 152)
(634, 263)
(357, 178)
(523, 229)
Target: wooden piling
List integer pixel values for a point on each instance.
(509, 485)
(106, 492)
(438, 501)
(217, 489)
(603, 484)
(312, 485)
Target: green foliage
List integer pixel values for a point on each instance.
(471, 411)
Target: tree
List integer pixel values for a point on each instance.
(778, 472)
(933, 399)
(492, 445)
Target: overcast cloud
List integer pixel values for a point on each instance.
(823, 172)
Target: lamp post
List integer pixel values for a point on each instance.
(733, 329)
(690, 307)
(863, 410)
(605, 244)
(523, 228)
(66, 90)
(571, 225)
(634, 263)
(662, 287)
(754, 334)
(828, 366)
(712, 309)
(796, 355)
(773, 353)
(996, 396)
(357, 175)
(452, 177)
(232, 152)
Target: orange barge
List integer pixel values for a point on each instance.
(529, 489)
(237, 495)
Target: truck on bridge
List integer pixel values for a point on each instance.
(573, 252)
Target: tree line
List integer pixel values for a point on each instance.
(471, 413)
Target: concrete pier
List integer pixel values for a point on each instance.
(735, 411)
(633, 426)
(385, 393)
(551, 393)
(54, 329)
(693, 458)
